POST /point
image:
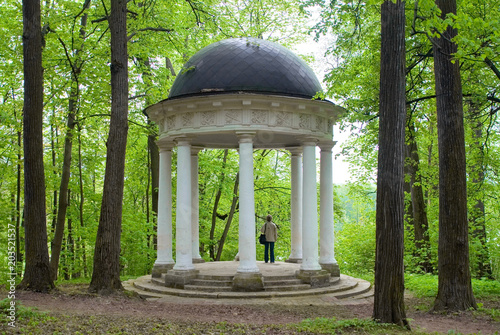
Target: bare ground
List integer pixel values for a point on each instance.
(71, 310)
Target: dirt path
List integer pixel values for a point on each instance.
(75, 302)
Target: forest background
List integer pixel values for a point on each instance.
(162, 36)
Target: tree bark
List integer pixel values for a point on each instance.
(106, 273)
(419, 211)
(37, 275)
(454, 287)
(389, 270)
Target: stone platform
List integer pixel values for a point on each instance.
(280, 281)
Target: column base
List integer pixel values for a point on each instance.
(198, 260)
(315, 278)
(294, 260)
(159, 269)
(332, 268)
(248, 282)
(180, 278)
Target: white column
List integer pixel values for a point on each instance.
(327, 255)
(164, 233)
(184, 258)
(309, 210)
(296, 205)
(195, 206)
(247, 236)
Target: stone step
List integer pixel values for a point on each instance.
(159, 281)
(284, 288)
(208, 288)
(362, 287)
(278, 278)
(214, 277)
(215, 283)
(283, 282)
(347, 287)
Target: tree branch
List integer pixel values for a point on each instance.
(420, 99)
(493, 98)
(492, 67)
(151, 29)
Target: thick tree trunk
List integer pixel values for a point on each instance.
(419, 211)
(389, 270)
(454, 288)
(37, 275)
(106, 273)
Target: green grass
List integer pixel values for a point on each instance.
(27, 315)
(427, 286)
(334, 326)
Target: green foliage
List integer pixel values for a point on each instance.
(422, 285)
(427, 285)
(355, 238)
(485, 287)
(162, 36)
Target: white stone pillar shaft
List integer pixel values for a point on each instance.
(309, 210)
(184, 258)
(195, 206)
(247, 244)
(164, 233)
(296, 205)
(327, 255)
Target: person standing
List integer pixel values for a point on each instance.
(271, 231)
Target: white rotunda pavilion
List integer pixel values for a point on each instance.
(246, 94)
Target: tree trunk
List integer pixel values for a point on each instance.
(419, 214)
(81, 203)
(19, 255)
(229, 219)
(68, 148)
(106, 273)
(37, 275)
(477, 214)
(389, 270)
(63, 188)
(216, 205)
(454, 288)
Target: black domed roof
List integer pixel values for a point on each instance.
(245, 64)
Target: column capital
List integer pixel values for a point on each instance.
(183, 141)
(245, 136)
(165, 146)
(326, 145)
(295, 151)
(195, 150)
(309, 141)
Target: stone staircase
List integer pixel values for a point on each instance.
(220, 287)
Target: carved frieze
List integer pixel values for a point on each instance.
(259, 117)
(170, 122)
(187, 119)
(304, 121)
(283, 119)
(233, 116)
(208, 118)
